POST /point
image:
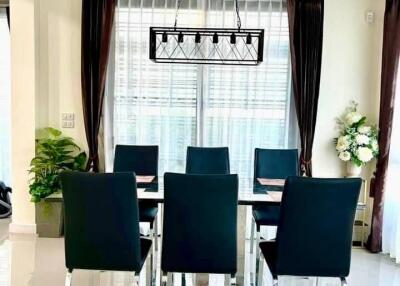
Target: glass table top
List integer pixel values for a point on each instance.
(250, 192)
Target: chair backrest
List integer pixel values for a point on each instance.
(200, 223)
(143, 160)
(315, 230)
(101, 221)
(207, 160)
(276, 163)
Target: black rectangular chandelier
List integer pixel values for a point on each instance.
(218, 46)
(206, 45)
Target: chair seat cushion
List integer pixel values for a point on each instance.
(266, 215)
(269, 250)
(145, 247)
(147, 212)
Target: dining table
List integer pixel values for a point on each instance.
(251, 191)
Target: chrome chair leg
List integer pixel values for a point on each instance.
(163, 279)
(136, 279)
(154, 261)
(227, 279)
(343, 281)
(316, 281)
(170, 279)
(259, 270)
(155, 232)
(230, 280)
(275, 281)
(253, 225)
(153, 254)
(167, 279)
(233, 280)
(257, 250)
(149, 270)
(68, 278)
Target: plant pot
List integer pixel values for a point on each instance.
(49, 218)
(353, 171)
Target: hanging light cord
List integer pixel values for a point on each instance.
(239, 22)
(177, 13)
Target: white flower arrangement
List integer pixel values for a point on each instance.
(358, 142)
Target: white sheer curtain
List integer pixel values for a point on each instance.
(391, 215)
(175, 106)
(153, 103)
(248, 107)
(5, 98)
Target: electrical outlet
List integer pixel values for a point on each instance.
(68, 124)
(64, 124)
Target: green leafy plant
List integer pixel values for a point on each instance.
(55, 153)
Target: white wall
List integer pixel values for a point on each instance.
(46, 72)
(23, 91)
(350, 71)
(60, 66)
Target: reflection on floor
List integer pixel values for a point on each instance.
(28, 260)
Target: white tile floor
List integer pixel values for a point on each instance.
(28, 260)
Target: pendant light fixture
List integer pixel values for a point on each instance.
(218, 46)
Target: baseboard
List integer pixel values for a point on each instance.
(22, 228)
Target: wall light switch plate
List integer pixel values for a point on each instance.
(67, 120)
(68, 116)
(370, 17)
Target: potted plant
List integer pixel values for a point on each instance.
(357, 143)
(55, 153)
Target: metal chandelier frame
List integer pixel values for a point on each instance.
(218, 46)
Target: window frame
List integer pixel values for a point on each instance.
(291, 127)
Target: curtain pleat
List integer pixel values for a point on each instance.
(390, 64)
(8, 16)
(97, 23)
(248, 107)
(306, 19)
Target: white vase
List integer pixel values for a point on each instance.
(353, 170)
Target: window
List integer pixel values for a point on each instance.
(5, 114)
(175, 106)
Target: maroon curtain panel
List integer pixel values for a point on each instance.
(390, 65)
(97, 23)
(306, 21)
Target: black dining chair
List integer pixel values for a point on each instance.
(271, 164)
(143, 161)
(5, 201)
(314, 237)
(102, 224)
(200, 225)
(207, 160)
